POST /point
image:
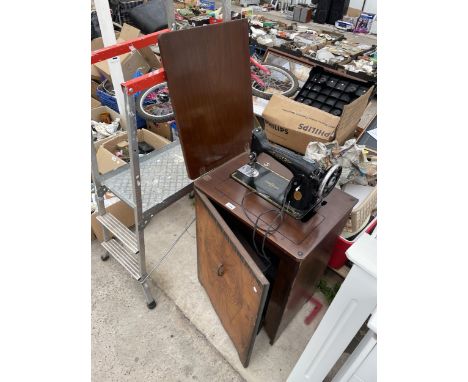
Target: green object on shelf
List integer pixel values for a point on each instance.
(185, 12)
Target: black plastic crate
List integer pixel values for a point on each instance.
(329, 92)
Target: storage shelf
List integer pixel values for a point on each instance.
(163, 179)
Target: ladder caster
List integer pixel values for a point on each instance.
(151, 305)
(105, 257)
(191, 195)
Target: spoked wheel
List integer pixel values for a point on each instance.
(329, 181)
(279, 81)
(154, 104)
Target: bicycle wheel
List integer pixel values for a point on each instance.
(154, 104)
(279, 81)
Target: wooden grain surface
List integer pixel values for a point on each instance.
(208, 75)
(235, 285)
(302, 249)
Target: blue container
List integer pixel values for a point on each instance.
(111, 102)
(207, 4)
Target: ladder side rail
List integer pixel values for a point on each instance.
(136, 178)
(100, 190)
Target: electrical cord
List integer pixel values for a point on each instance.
(280, 214)
(262, 254)
(269, 229)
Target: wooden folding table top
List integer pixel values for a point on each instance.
(208, 75)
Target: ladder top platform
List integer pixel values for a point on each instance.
(163, 179)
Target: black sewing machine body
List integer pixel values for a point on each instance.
(300, 196)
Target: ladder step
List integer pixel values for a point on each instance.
(128, 260)
(121, 232)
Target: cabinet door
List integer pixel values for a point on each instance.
(234, 283)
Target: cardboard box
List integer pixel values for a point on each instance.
(162, 129)
(97, 111)
(120, 210)
(293, 125)
(130, 62)
(353, 12)
(150, 58)
(95, 103)
(106, 159)
(95, 74)
(94, 86)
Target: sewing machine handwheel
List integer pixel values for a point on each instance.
(329, 181)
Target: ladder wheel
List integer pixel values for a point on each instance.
(192, 194)
(151, 305)
(105, 257)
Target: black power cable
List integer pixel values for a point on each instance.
(269, 230)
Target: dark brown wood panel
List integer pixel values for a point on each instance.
(301, 282)
(208, 75)
(235, 285)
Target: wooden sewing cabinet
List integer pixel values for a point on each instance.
(214, 115)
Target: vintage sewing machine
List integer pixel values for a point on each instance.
(301, 196)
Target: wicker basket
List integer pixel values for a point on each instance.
(360, 215)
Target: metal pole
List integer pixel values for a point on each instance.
(226, 10)
(134, 164)
(108, 37)
(98, 188)
(136, 179)
(136, 186)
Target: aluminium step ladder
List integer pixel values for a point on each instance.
(147, 185)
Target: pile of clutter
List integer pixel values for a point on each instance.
(105, 129)
(358, 177)
(317, 45)
(366, 63)
(200, 13)
(340, 52)
(359, 164)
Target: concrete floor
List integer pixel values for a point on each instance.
(131, 343)
(182, 338)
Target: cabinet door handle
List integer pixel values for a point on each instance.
(221, 270)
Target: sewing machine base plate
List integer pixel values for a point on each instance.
(269, 185)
